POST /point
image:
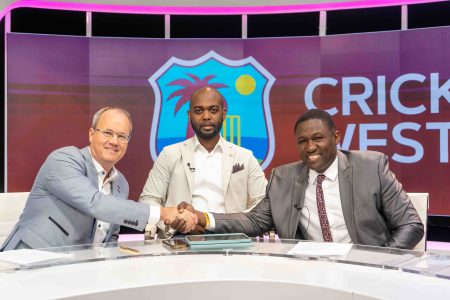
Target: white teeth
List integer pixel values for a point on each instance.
(313, 157)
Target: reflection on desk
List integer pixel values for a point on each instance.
(265, 270)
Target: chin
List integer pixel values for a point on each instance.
(113, 159)
(314, 167)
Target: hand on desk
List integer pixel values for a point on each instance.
(184, 220)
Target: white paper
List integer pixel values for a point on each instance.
(320, 249)
(27, 257)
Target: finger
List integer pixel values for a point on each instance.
(190, 226)
(184, 227)
(182, 205)
(199, 228)
(195, 219)
(176, 223)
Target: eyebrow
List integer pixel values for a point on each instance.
(118, 132)
(211, 106)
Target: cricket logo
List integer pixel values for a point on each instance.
(245, 85)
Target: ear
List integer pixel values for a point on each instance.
(224, 114)
(189, 115)
(91, 134)
(337, 137)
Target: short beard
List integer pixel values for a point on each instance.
(207, 136)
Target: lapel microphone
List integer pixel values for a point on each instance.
(192, 169)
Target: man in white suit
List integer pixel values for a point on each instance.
(205, 170)
(79, 197)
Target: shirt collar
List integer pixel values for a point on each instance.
(199, 147)
(102, 172)
(331, 173)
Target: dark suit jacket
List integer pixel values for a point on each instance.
(65, 202)
(377, 211)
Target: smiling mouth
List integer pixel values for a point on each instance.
(111, 149)
(313, 158)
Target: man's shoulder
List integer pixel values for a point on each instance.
(363, 155)
(289, 168)
(69, 155)
(69, 151)
(363, 158)
(238, 149)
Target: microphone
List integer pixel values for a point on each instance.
(192, 169)
(297, 206)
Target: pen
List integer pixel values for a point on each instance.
(128, 249)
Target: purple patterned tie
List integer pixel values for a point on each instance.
(324, 225)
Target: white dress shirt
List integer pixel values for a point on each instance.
(104, 186)
(207, 194)
(309, 215)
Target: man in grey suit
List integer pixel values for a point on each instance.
(330, 195)
(205, 170)
(79, 197)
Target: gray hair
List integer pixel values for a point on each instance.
(99, 113)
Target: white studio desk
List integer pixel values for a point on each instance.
(263, 271)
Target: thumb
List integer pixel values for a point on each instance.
(182, 205)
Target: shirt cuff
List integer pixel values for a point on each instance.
(155, 215)
(212, 222)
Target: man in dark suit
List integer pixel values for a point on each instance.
(79, 197)
(330, 195)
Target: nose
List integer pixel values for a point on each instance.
(311, 146)
(206, 115)
(115, 139)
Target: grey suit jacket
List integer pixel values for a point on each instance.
(65, 202)
(377, 211)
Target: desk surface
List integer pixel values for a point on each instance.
(264, 270)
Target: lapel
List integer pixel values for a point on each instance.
(227, 164)
(298, 198)
(188, 161)
(116, 189)
(345, 176)
(91, 173)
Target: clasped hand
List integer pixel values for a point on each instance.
(183, 220)
(179, 225)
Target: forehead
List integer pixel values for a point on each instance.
(206, 99)
(114, 119)
(312, 126)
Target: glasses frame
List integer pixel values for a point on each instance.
(122, 138)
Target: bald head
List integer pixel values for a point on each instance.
(208, 94)
(206, 114)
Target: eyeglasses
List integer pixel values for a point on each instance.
(109, 134)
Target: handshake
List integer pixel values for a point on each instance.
(184, 218)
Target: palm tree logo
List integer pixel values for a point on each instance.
(186, 90)
(245, 84)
